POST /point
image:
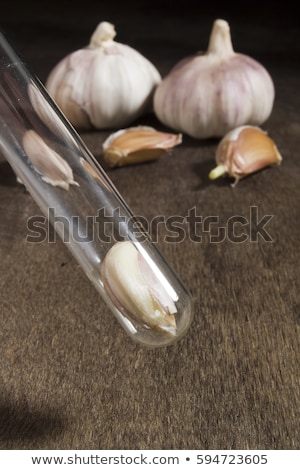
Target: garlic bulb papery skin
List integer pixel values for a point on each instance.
(243, 151)
(104, 85)
(135, 289)
(209, 94)
(137, 144)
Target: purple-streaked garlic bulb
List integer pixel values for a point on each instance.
(207, 95)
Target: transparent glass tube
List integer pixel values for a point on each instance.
(86, 210)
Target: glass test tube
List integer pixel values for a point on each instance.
(86, 210)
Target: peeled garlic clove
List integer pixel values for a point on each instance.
(209, 94)
(53, 168)
(137, 144)
(244, 150)
(104, 85)
(136, 290)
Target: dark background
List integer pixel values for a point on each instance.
(166, 31)
(69, 376)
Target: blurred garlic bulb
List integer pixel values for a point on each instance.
(209, 94)
(244, 150)
(104, 85)
(134, 289)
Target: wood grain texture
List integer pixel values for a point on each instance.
(69, 376)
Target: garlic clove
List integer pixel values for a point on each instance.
(135, 289)
(96, 175)
(68, 102)
(53, 168)
(208, 94)
(104, 85)
(243, 151)
(137, 144)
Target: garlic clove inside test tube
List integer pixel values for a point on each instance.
(87, 211)
(134, 288)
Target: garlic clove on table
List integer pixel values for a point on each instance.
(243, 151)
(104, 85)
(137, 144)
(135, 289)
(209, 94)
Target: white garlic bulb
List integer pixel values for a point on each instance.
(209, 94)
(104, 85)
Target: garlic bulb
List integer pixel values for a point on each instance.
(209, 94)
(135, 289)
(104, 85)
(137, 144)
(244, 150)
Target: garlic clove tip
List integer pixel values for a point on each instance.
(218, 171)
